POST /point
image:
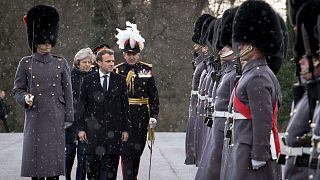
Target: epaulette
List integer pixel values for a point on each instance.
(116, 66)
(60, 58)
(26, 58)
(147, 64)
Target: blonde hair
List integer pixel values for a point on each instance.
(82, 54)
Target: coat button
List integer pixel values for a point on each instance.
(33, 77)
(52, 94)
(30, 68)
(40, 94)
(53, 85)
(58, 67)
(38, 85)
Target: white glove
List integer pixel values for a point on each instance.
(257, 164)
(29, 99)
(67, 124)
(153, 122)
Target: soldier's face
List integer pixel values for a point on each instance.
(107, 63)
(131, 58)
(44, 48)
(85, 64)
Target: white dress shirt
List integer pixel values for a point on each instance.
(101, 74)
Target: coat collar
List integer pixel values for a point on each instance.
(44, 58)
(253, 64)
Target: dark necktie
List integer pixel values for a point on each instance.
(105, 83)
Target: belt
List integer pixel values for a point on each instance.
(194, 93)
(237, 116)
(139, 101)
(225, 114)
(297, 151)
(202, 98)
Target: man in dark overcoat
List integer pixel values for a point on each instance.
(104, 120)
(42, 87)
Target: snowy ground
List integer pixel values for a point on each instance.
(167, 160)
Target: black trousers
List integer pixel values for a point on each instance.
(46, 178)
(102, 168)
(130, 167)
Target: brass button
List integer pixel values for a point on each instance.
(33, 77)
(52, 94)
(53, 85)
(58, 67)
(40, 94)
(38, 85)
(57, 75)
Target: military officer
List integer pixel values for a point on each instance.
(257, 94)
(143, 96)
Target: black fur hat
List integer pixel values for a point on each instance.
(307, 15)
(42, 23)
(294, 6)
(198, 26)
(257, 23)
(209, 33)
(274, 62)
(226, 26)
(204, 29)
(216, 34)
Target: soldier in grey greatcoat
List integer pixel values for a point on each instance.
(257, 94)
(199, 64)
(211, 170)
(42, 87)
(200, 107)
(306, 49)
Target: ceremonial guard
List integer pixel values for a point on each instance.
(199, 64)
(143, 96)
(42, 87)
(200, 127)
(223, 93)
(257, 94)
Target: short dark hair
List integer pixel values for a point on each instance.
(103, 52)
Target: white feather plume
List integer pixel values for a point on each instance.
(131, 33)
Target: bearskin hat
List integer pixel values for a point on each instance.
(197, 28)
(42, 23)
(216, 34)
(204, 30)
(275, 61)
(257, 23)
(226, 26)
(294, 6)
(307, 16)
(130, 39)
(209, 33)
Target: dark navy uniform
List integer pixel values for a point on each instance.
(144, 103)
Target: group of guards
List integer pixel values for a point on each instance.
(232, 127)
(98, 111)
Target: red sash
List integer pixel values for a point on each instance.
(246, 112)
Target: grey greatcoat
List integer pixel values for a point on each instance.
(210, 164)
(199, 114)
(44, 133)
(190, 132)
(316, 131)
(258, 88)
(298, 126)
(200, 117)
